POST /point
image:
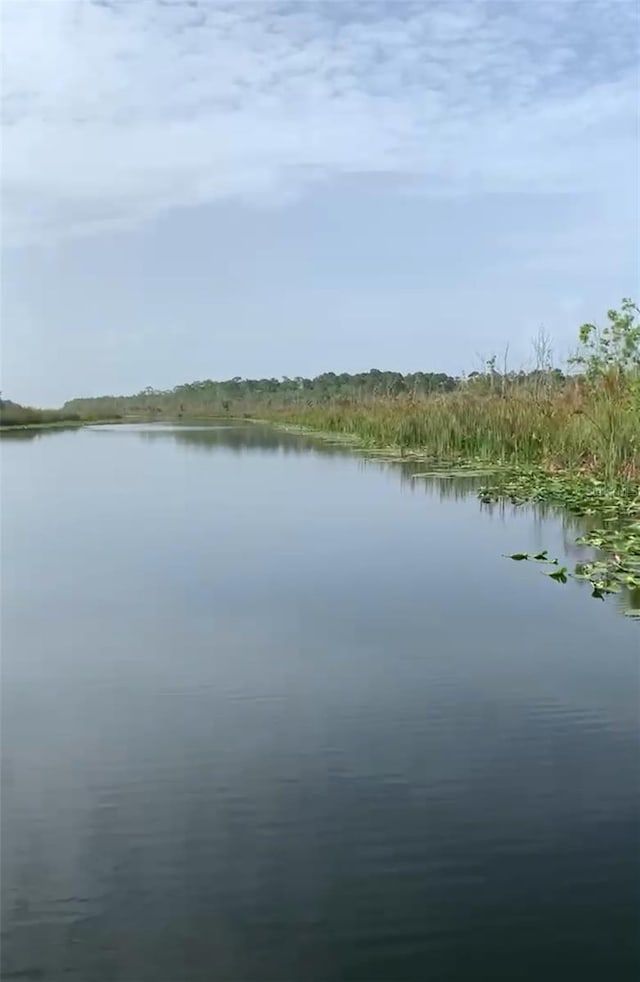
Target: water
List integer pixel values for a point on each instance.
(275, 712)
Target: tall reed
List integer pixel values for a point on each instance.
(568, 429)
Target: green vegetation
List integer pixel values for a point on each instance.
(246, 397)
(618, 567)
(609, 487)
(578, 494)
(587, 423)
(15, 416)
(616, 538)
(12, 414)
(565, 430)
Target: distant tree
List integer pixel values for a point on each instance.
(613, 350)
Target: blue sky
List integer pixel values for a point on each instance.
(195, 190)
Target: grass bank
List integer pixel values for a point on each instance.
(574, 431)
(12, 415)
(16, 417)
(586, 424)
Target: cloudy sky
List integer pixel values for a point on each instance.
(201, 189)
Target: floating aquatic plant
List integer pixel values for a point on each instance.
(617, 567)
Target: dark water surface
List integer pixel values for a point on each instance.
(274, 712)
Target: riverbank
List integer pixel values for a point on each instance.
(62, 424)
(571, 430)
(610, 506)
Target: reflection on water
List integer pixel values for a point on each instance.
(235, 437)
(273, 711)
(26, 434)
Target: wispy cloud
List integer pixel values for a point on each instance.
(116, 111)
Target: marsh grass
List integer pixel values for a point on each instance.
(13, 415)
(575, 430)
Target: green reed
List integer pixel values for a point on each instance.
(572, 430)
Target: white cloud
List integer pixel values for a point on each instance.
(114, 112)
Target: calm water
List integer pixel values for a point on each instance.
(274, 712)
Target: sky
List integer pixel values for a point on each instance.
(208, 189)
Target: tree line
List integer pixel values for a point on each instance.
(244, 394)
